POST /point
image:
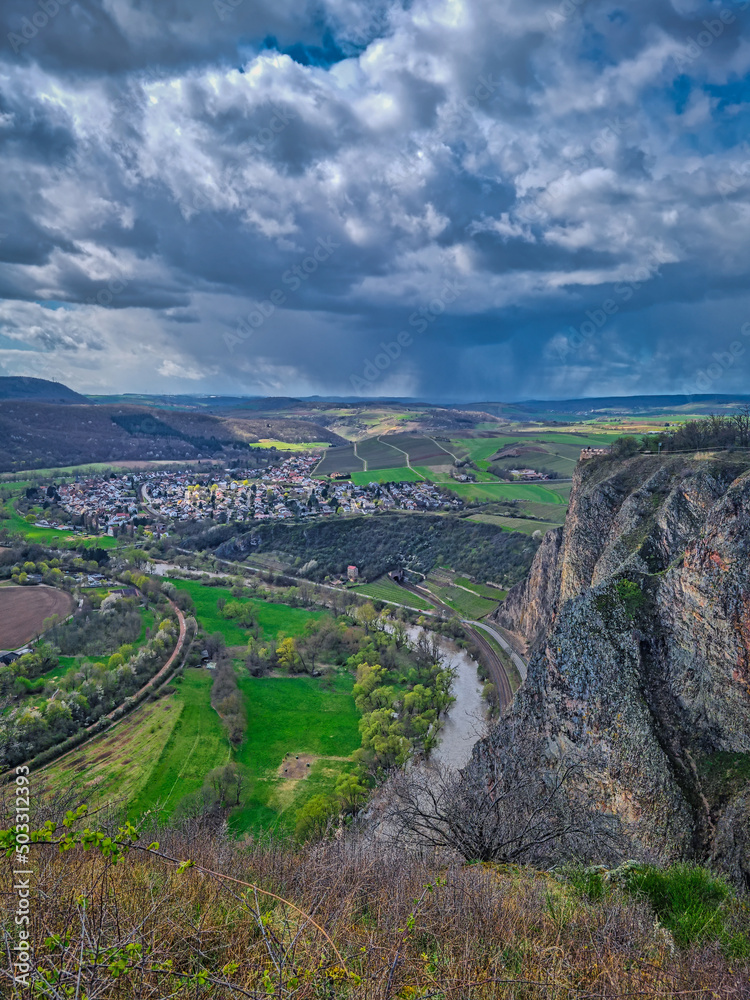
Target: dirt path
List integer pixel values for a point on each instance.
(362, 460)
(406, 453)
(165, 669)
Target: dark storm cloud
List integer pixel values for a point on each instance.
(479, 177)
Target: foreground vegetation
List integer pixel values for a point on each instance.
(361, 919)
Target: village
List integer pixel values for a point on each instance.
(117, 505)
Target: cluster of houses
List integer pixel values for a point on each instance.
(528, 475)
(288, 490)
(101, 504)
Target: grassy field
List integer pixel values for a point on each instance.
(386, 590)
(396, 475)
(553, 512)
(196, 745)
(163, 751)
(506, 491)
(288, 446)
(272, 618)
(491, 593)
(116, 766)
(467, 605)
(527, 526)
(293, 715)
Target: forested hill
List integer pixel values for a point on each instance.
(378, 544)
(17, 387)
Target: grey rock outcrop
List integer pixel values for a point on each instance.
(637, 614)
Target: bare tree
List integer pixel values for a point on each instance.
(512, 803)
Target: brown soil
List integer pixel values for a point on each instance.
(295, 768)
(23, 609)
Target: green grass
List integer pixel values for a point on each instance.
(387, 590)
(505, 491)
(292, 715)
(402, 474)
(289, 446)
(552, 512)
(440, 478)
(481, 449)
(491, 593)
(467, 605)
(196, 745)
(66, 663)
(116, 766)
(690, 902)
(272, 618)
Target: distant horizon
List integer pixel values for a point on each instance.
(407, 401)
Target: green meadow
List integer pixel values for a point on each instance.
(196, 745)
(272, 618)
(506, 491)
(402, 474)
(386, 590)
(293, 715)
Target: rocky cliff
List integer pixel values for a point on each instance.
(637, 613)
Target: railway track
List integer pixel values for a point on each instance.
(494, 664)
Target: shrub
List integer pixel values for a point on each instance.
(631, 596)
(688, 900)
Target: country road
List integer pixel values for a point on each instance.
(517, 660)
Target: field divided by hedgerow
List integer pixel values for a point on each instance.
(196, 745)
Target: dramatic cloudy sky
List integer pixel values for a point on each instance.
(517, 198)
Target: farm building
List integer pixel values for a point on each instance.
(352, 573)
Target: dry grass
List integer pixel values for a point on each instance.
(406, 927)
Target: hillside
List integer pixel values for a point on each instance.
(17, 387)
(40, 434)
(637, 612)
(379, 544)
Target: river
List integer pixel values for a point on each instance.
(468, 713)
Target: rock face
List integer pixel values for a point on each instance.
(637, 613)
